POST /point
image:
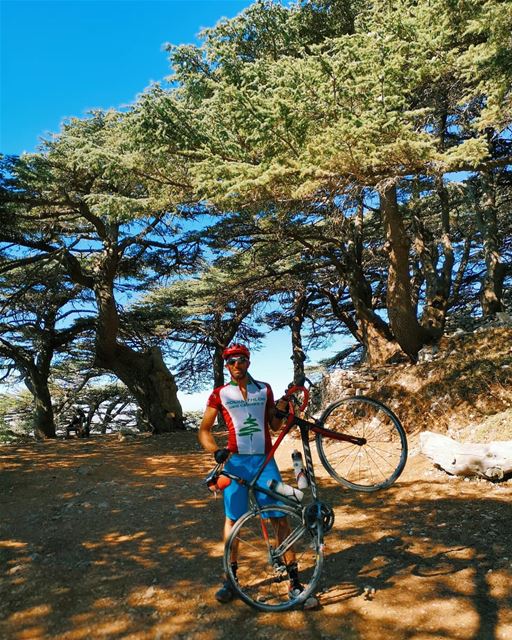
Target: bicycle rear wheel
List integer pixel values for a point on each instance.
(373, 465)
(261, 579)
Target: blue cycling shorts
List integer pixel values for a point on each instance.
(236, 496)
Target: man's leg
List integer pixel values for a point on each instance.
(282, 529)
(226, 593)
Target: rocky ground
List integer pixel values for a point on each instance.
(104, 538)
(112, 538)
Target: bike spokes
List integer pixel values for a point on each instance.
(262, 579)
(379, 461)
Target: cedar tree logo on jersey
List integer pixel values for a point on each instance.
(250, 427)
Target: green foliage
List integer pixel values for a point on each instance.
(15, 416)
(276, 148)
(361, 106)
(201, 315)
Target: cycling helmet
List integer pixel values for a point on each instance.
(236, 350)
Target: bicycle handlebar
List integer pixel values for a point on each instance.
(289, 394)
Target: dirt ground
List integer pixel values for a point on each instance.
(104, 538)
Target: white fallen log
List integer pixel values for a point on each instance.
(491, 460)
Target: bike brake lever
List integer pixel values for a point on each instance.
(212, 475)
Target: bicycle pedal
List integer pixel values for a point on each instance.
(279, 568)
(278, 564)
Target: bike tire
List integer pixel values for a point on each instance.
(261, 582)
(374, 465)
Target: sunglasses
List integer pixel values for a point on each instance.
(239, 359)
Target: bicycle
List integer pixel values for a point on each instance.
(362, 445)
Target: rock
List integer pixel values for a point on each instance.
(84, 470)
(16, 569)
(488, 460)
(149, 593)
(503, 318)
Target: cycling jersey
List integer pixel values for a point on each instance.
(247, 419)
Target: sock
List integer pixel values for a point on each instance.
(293, 573)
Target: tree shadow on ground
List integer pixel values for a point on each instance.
(429, 540)
(129, 548)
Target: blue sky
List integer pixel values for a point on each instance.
(62, 58)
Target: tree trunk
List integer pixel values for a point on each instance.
(377, 338)
(151, 383)
(218, 367)
(36, 371)
(90, 413)
(401, 312)
(144, 373)
(368, 328)
(224, 330)
(491, 291)
(107, 418)
(298, 356)
(378, 347)
(492, 461)
(43, 421)
(438, 282)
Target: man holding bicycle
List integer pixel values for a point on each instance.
(247, 407)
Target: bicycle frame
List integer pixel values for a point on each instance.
(253, 486)
(305, 426)
(286, 531)
(277, 550)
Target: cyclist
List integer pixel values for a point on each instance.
(247, 407)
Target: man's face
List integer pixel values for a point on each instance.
(237, 367)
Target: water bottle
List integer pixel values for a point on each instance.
(285, 489)
(298, 468)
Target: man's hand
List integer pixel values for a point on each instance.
(279, 414)
(221, 455)
(282, 404)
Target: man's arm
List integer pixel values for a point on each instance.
(205, 435)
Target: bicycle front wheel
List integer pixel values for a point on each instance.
(373, 465)
(263, 545)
